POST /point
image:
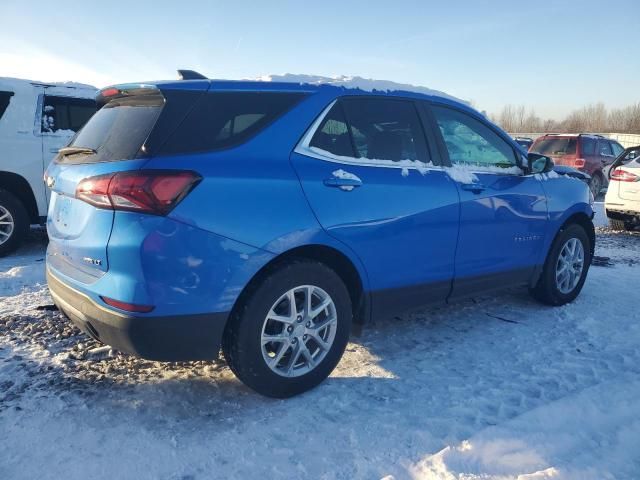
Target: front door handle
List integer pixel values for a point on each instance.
(346, 184)
(473, 187)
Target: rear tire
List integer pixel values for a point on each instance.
(595, 184)
(294, 362)
(553, 288)
(14, 222)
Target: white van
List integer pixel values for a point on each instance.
(36, 119)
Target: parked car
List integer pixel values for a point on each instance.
(585, 152)
(524, 142)
(267, 218)
(622, 201)
(36, 119)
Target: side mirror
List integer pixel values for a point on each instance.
(539, 163)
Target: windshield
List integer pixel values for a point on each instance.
(555, 146)
(116, 132)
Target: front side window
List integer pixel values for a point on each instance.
(471, 142)
(66, 113)
(5, 98)
(385, 130)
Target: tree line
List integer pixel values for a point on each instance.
(591, 118)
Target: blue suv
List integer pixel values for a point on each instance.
(268, 219)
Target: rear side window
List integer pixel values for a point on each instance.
(333, 134)
(471, 142)
(385, 129)
(225, 119)
(66, 113)
(617, 148)
(5, 98)
(555, 146)
(118, 130)
(605, 148)
(588, 146)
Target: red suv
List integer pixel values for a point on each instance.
(587, 153)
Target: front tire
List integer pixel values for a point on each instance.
(14, 223)
(565, 269)
(290, 331)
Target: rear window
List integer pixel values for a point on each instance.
(5, 98)
(118, 130)
(555, 146)
(226, 119)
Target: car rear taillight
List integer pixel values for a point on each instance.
(620, 175)
(155, 192)
(579, 162)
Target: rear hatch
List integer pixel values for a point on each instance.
(112, 141)
(561, 149)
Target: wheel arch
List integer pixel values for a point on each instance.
(582, 219)
(20, 188)
(332, 258)
(577, 218)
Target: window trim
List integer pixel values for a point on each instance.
(303, 146)
(444, 152)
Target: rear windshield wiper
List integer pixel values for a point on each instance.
(74, 150)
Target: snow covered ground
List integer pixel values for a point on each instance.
(497, 387)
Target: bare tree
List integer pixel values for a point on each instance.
(590, 118)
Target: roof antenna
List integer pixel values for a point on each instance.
(190, 75)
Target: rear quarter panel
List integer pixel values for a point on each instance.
(252, 196)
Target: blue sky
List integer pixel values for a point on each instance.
(554, 56)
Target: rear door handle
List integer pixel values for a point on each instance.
(346, 184)
(473, 187)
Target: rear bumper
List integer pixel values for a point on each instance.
(167, 338)
(622, 214)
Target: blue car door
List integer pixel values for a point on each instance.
(503, 212)
(365, 169)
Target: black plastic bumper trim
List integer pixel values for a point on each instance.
(166, 338)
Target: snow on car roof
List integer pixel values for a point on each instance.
(10, 82)
(366, 84)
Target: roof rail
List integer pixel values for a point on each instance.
(190, 75)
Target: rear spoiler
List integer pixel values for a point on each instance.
(190, 75)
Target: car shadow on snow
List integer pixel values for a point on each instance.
(452, 369)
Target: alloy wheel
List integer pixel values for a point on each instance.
(7, 225)
(299, 331)
(570, 265)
